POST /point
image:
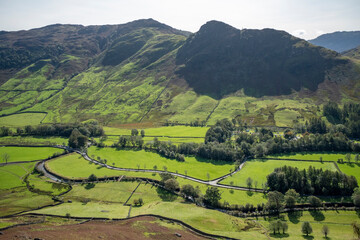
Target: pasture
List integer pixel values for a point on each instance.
(314, 156)
(171, 131)
(339, 223)
(33, 140)
(195, 167)
(24, 154)
(22, 119)
(12, 176)
(259, 169)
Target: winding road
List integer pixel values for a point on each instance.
(214, 182)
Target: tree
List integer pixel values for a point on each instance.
(315, 201)
(348, 157)
(5, 157)
(356, 197)
(171, 184)
(76, 139)
(92, 178)
(189, 190)
(208, 176)
(284, 227)
(155, 167)
(306, 228)
(291, 197)
(321, 159)
(212, 196)
(275, 201)
(357, 158)
(134, 132)
(142, 133)
(325, 230)
(249, 182)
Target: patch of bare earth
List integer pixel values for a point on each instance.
(137, 228)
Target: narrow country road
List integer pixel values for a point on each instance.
(214, 182)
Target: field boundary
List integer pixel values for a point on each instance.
(125, 204)
(118, 135)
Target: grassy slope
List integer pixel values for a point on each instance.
(326, 156)
(23, 119)
(195, 167)
(33, 140)
(173, 131)
(259, 169)
(12, 175)
(339, 223)
(18, 154)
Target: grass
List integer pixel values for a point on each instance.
(22, 119)
(91, 209)
(339, 223)
(20, 154)
(33, 140)
(172, 131)
(195, 167)
(12, 176)
(259, 169)
(41, 183)
(326, 156)
(83, 169)
(20, 199)
(351, 169)
(111, 192)
(285, 118)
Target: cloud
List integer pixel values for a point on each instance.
(301, 33)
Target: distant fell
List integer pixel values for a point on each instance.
(353, 53)
(338, 41)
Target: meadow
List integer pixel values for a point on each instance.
(259, 169)
(33, 140)
(194, 166)
(12, 175)
(24, 154)
(22, 119)
(171, 131)
(339, 223)
(314, 156)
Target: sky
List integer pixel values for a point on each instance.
(306, 19)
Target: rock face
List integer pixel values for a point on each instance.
(220, 59)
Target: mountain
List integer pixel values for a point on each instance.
(146, 71)
(353, 53)
(220, 59)
(338, 41)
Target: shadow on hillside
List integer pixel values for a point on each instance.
(214, 162)
(165, 195)
(281, 235)
(308, 237)
(294, 217)
(317, 215)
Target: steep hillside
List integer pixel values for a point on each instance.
(145, 71)
(220, 59)
(338, 41)
(353, 53)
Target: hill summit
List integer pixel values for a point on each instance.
(220, 60)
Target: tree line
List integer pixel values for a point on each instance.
(91, 129)
(311, 181)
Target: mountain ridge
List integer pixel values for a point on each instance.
(140, 72)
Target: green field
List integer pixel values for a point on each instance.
(259, 169)
(172, 131)
(33, 140)
(339, 223)
(111, 192)
(22, 154)
(326, 156)
(83, 169)
(22, 119)
(110, 140)
(43, 184)
(352, 169)
(12, 175)
(195, 167)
